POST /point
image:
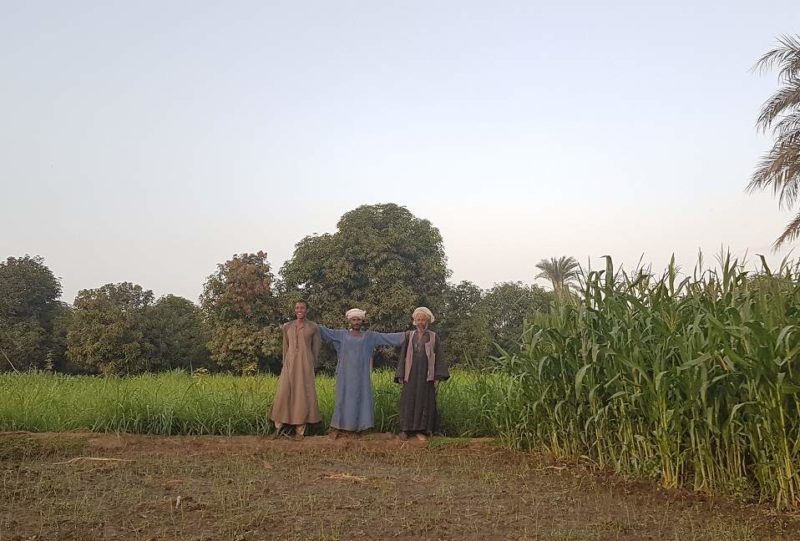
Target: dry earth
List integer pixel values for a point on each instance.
(89, 486)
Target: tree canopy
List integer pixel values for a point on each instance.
(382, 259)
(107, 331)
(243, 313)
(29, 295)
(506, 306)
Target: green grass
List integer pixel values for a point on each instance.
(176, 403)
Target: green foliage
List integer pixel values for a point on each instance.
(382, 259)
(28, 305)
(505, 308)
(693, 381)
(176, 403)
(118, 329)
(463, 324)
(474, 322)
(107, 331)
(178, 334)
(243, 313)
(58, 359)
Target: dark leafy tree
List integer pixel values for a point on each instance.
(506, 306)
(463, 325)
(177, 333)
(29, 295)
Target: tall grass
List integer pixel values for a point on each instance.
(176, 403)
(693, 381)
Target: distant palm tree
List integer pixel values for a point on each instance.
(780, 167)
(561, 272)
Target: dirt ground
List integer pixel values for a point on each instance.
(89, 486)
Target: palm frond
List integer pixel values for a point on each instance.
(787, 56)
(560, 272)
(791, 232)
(780, 170)
(789, 125)
(785, 101)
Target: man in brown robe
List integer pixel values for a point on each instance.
(295, 400)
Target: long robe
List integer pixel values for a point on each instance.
(418, 411)
(295, 400)
(354, 402)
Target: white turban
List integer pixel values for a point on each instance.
(426, 311)
(355, 312)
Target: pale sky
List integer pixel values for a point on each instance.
(149, 141)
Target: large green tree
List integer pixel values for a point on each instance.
(108, 330)
(29, 295)
(779, 169)
(382, 259)
(243, 314)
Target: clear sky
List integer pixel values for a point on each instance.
(149, 141)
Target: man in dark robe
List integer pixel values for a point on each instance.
(420, 369)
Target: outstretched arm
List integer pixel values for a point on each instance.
(330, 336)
(393, 339)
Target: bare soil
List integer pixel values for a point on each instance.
(90, 486)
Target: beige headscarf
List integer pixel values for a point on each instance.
(426, 311)
(356, 312)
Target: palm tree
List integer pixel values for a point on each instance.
(561, 272)
(780, 167)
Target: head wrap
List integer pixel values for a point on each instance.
(356, 312)
(426, 311)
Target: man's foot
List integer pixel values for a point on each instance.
(403, 436)
(333, 434)
(421, 436)
(299, 437)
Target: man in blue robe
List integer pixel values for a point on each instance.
(354, 349)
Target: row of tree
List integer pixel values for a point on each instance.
(381, 258)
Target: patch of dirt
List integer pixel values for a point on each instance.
(91, 486)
